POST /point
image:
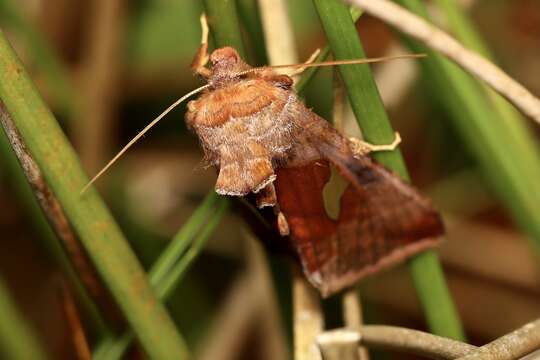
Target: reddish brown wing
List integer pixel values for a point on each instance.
(382, 220)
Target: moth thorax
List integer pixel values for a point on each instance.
(222, 79)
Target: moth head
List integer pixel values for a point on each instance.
(225, 56)
(226, 64)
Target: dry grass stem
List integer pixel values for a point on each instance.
(274, 345)
(340, 344)
(251, 303)
(278, 34)
(95, 124)
(511, 346)
(420, 29)
(308, 319)
(413, 341)
(352, 316)
(352, 310)
(232, 322)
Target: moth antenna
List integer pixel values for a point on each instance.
(336, 62)
(140, 134)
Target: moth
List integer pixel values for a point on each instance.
(262, 139)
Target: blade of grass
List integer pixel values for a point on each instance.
(251, 18)
(224, 25)
(183, 238)
(168, 284)
(505, 149)
(367, 105)
(17, 339)
(98, 232)
(172, 265)
(308, 74)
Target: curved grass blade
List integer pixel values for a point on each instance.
(173, 264)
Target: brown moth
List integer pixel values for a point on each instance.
(263, 140)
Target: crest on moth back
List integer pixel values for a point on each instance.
(245, 122)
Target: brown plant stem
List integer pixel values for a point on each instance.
(511, 346)
(514, 345)
(308, 321)
(74, 323)
(413, 341)
(341, 344)
(352, 316)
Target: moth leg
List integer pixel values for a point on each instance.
(201, 57)
(266, 196)
(310, 60)
(283, 225)
(362, 148)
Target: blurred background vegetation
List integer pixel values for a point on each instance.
(107, 68)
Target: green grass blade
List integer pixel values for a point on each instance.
(308, 74)
(224, 25)
(168, 284)
(361, 88)
(503, 146)
(182, 239)
(172, 264)
(371, 115)
(89, 217)
(462, 28)
(17, 340)
(251, 19)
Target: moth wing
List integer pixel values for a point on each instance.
(382, 219)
